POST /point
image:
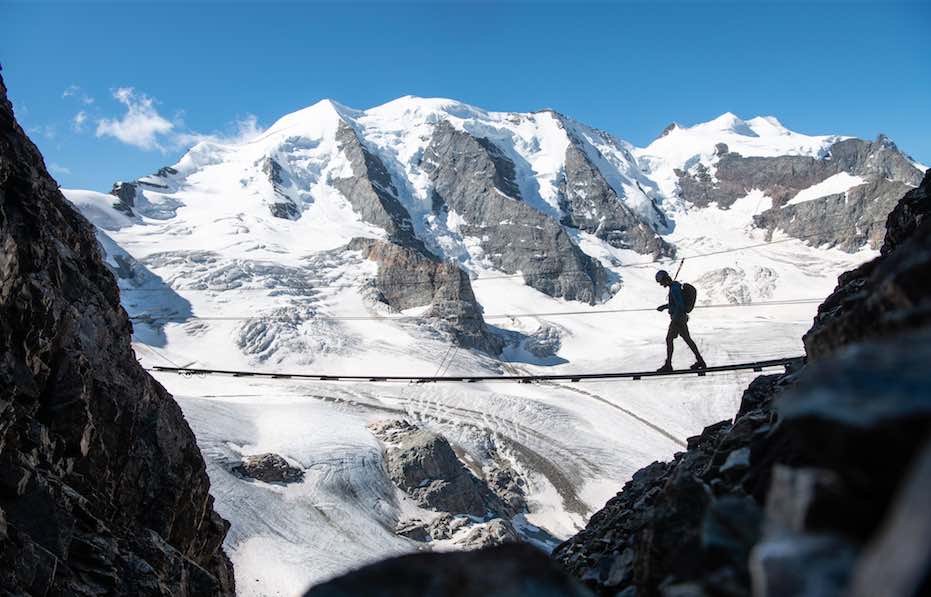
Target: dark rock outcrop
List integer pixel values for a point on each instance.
(126, 193)
(846, 220)
(510, 570)
(423, 465)
(885, 296)
(591, 204)
(371, 192)
(797, 495)
(283, 206)
(102, 487)
(270, 468)
(410, 277)
(472, 177)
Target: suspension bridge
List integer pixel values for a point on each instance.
(785, 362)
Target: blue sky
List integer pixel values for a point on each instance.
(114, 91)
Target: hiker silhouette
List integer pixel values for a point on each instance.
(678, 321)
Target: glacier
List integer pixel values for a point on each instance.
(241, 256)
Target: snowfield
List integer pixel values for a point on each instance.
(213, 280)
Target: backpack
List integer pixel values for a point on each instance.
(689, 293)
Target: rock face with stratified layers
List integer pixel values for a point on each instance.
(473, 178)
(847, 220)
(103, 490)
(410, 277)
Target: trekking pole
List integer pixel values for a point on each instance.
(681, 263)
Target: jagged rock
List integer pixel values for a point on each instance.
(423, 465)
(126, 193)
(863, 414)
(283, 207)
(544, 342)
(473, 178)
(509, 570)
(104, 490)
(493, 532)
(886, 295)
(591, 204)
(413, 529)
(409, 277)
(371, 192)
(270, 468)
(730, 529)
(846, 220)
(132, 200)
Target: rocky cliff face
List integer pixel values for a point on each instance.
(102, 487)
(474, 179)
(471, 511)
(806, 491)
(282, 206)
(888, 295)
(370, 190)
(848, 219)
(589, 203)
(413, 278)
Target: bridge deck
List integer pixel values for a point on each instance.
(571, 377)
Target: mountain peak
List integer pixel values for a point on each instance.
(729, 122)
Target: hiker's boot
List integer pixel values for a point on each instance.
(666, 368)
(699, 365)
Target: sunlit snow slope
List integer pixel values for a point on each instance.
(236, 258)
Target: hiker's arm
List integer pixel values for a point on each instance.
(662, 307)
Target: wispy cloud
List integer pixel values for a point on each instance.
(58, 169)
(48, 131)
(75, 92)
(141, 126)
(77, 123)
(243, 129)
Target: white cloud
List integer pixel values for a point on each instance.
(75, 91)
(77, 123)
(141, 126)
(57, 169)
(243, 129)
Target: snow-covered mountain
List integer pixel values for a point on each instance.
(300, 248)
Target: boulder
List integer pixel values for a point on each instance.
(509, 570)
(270, 468)
(423, 465)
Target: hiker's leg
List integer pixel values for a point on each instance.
(684, 332)
(670, 336)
